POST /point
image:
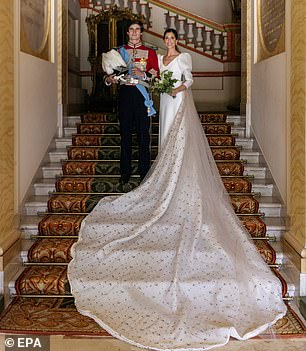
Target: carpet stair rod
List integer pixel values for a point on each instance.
(152, 135)
(58, 176)
(239, 147)
(153, 123)
(274, 265)
(121, 193)
(103, 161)
(258, 214)
(267, 238)
(286, 298)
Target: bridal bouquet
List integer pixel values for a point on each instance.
(164, 83)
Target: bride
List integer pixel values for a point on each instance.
(168, 266)
(180, 64)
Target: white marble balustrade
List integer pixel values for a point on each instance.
(199, 34)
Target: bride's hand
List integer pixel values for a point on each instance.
(173, 93)
(153, 72)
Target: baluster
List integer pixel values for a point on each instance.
(225, 50)
(199, 37)
(172, 17)
(108, 4)
(166, 14)
(134, 6)
(208, 41)
(126, 4)
(143, 12)
(149, 15)
(217, 45)
(181, 32)
(117, 3)
(190, 36)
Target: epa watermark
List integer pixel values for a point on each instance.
(27, 342)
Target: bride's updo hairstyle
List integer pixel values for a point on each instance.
(172, 30)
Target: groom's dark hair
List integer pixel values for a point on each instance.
(135, 21)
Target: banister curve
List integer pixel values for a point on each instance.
(196, 18)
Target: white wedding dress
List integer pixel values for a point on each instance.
(168, 266)
(181, 68)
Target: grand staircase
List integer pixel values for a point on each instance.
(83, 167)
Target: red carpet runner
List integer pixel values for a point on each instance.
(91, 172)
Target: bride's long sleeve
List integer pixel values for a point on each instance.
(186, 67)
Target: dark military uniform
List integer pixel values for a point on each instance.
(133, 113)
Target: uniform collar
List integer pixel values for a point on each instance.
(134, 45)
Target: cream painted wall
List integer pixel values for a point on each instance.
(37, 106)
(269, 111)
(215, 10)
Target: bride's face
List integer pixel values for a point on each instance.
(170, 40)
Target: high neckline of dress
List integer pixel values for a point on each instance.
(170, 61)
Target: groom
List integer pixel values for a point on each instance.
(134, 105)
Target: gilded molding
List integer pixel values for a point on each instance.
(59, 52)
(7, 211)
(296, 160)
(271, 28)
(35, 20)
(296, 237)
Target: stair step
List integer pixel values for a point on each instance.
(51, 170)
(55, 281)
(37, 253)
(246, 143)
(291, 288)
(262, 186)
(56, 155)
(259, 171)
(70, 121)
(278, 248)
(270, 206)
(63, 142)
(239, 131)
(236, 120)
(68, 131)
(36, 203)
(110, 128)
(276, 226)
(44, 186)
(250, 156)
(29, 225)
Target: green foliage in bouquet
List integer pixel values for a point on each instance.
(164, 83)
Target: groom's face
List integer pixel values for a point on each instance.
(134, 33)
